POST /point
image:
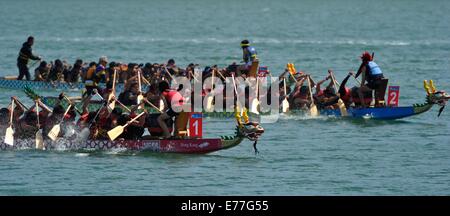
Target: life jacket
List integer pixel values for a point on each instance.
(250, 55)
(373, 70)
(89, 78)
(173, 96)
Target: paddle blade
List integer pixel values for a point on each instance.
(161, 105)
(285, 105)
(342, 108)
(209, 105)
(53, 134)
(114, 133)
(254, 107)
(39, 140)
(313, 110)
(139, 101)
(9, 136)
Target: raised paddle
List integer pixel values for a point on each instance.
(111, 102)
(117, 131)
(285, 103)
(54, 132)
(340, 103)
(39, 139)
(9, 135)
(312, 108)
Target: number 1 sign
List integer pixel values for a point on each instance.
(393, 95)
(195, 124)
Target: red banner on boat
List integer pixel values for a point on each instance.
(196, 124)
(393, 95)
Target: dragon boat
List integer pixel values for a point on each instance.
(185, 145)
(433, 97)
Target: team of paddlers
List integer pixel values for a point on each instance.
(119, 110)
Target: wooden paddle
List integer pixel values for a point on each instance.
(140, 97)
(312, 108)
(54, 132)
(39, 139)
(285, 103)
(9, 135)
(340, 103)
(255, 101)
(167, 71)
(149, 103)
(111, 102)
(117, 131)
(73, 104)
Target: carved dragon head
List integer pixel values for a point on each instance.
(435, 97)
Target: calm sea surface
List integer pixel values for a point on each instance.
(298, 155)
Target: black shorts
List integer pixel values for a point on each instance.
(172, 113)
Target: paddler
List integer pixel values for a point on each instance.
(172, 99)
(42, 71)
(372, 77)
(25, 54)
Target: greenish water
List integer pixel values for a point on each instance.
(298, 155)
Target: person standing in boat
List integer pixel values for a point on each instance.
(372, 78)
(172, 99)
(249, 55)
(24, 55)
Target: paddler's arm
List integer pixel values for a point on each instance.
(343, 83)
(360, 69)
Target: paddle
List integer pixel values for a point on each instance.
(341, 103)
(167, 71)
(54, 132)
(285, 103)
(210, 98)
(39, 139)
(312, 108)
(149, 103)
(117, 131)
(255, 101)
(111, 102)
(140, 96)
(9, 135)
(70, 102)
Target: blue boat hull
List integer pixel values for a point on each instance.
(379, 112)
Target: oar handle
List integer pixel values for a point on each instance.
(122, 105)
(134, 119)
(70, 102)
(151, 104)
(167, 71)
(65, 113)
(12, 112)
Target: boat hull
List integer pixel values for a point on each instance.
(185, 146)
(40, 85)
(378, 112)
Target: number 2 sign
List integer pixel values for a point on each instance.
(195, 124)
(393, 95)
